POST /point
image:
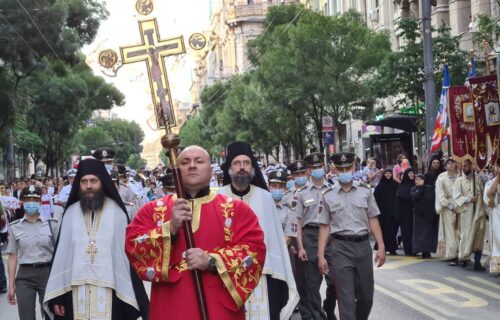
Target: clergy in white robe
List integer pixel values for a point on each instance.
(276, 295)
(467, 193)
(449, 222)
(91, 277)
(492, 199)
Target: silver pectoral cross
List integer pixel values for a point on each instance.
(92, 250)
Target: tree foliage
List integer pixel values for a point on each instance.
(47, 92)
(122, 136)
(402, 72)
(488, 28)
(306, 66)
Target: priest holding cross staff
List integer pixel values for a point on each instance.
(196, 247)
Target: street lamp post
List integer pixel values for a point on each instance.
(429, 83)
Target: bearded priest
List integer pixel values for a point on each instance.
(276, 296)
(91, 277)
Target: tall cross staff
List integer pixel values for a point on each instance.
(153, 50)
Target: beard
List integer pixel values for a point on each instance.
(91, 200)
(242, 178)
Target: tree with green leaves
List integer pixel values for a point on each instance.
(306, 66)
(402, 72)
(317, 64)
(124, 137)
(60, 104)
(47, 89)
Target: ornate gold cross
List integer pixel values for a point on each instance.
(460, 142)
(153, 50)
(92, 250)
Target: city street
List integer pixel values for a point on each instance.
(411, 288)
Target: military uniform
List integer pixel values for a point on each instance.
(295, 167)
(308, 207)
(106, 156)
(348, 215)
(127, 196)
(286, 215)
(33, 243)
(63, 195)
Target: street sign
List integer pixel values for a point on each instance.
(327, 124)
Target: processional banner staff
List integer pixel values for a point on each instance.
(153, 51)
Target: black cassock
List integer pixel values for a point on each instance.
(425, 219)
(385, 195)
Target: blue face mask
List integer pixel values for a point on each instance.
(109, 167)
(318, 174)
(289, 184)
(277, 194)
(300, 181)
(31, 208)
(346, 177)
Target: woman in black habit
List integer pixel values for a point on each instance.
(425, 222)
(385, 195)
(405, 210)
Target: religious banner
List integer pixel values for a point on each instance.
(484, 94)
(462, 127)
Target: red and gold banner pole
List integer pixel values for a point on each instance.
(171, 141)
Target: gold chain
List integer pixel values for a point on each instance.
(92, 226)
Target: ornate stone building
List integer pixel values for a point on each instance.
(383, 14)
(233, 24)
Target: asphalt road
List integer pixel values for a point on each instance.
(411, 288)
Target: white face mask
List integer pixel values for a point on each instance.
(109, 167)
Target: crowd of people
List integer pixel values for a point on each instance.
(266, 237)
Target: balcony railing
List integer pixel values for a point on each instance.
(248, 10)
(253, 10)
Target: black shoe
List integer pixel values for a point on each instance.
(393, 253)
(464, 263)
(3, 290)
(453, 262)
(479, 268)
(426, 255)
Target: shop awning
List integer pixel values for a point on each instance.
(405, 122)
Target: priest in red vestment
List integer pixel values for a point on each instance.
(230, 247)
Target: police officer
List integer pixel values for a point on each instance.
(277, 180)
(31, 245)
(308, 208)
(167, 183)
(350, 212)
(106, 156)
(298, 174)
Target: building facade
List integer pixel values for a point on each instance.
(233, 23)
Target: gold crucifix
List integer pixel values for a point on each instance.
(153, 50)
(460, 143)
(92, 250)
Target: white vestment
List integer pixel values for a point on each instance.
(277, 263)
(494, 201)
(449, 221)
(472, 216)
(73, 270)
